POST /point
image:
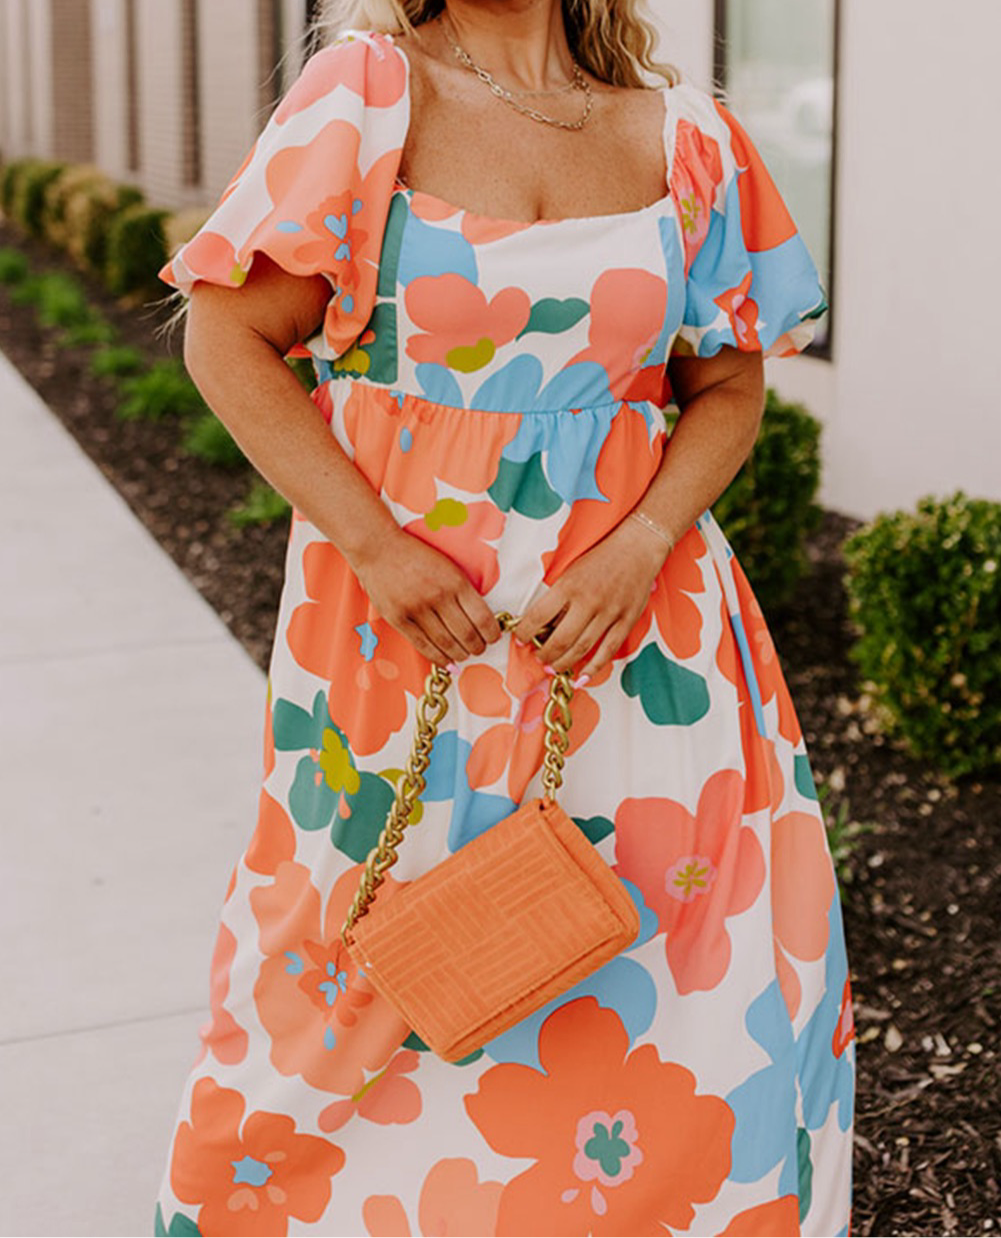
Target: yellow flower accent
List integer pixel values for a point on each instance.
(335, 761)
(468, 358)
(355, 359)
(448, 512)
(238, 275)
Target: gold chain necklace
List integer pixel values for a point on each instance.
(509, 97)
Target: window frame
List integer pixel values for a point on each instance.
(825, 350)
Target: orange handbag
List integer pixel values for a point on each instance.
(516, 917)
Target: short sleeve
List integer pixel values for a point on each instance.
(750, 281)
(314, 192)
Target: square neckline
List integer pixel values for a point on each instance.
(666, 199)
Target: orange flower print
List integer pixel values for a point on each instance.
(310, 230)
(326, 1022)
(697, 173)
(627, 463)
(627, 305)
(803, 885)
(249, 1177)
(622, 1144)
(371, 667)
(464, 531)
(477, 229)
(694, 872)
(677, 615)
(453, 1202)
(387, 1098)
(764, 659)
(764, 217)
(405, 450)
(844, 1031)
(463, 330)
(222, 1036)
(373, 73)
(778, 1217)
(273, 840)
(517, 743)
(743, 315)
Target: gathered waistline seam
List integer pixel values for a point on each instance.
(500, 412)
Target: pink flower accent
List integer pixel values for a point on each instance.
(386, 1099)
(623, 1125)
(653, 837)
(453, 1202)
(689, 877)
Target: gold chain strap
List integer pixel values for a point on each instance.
(431, 709)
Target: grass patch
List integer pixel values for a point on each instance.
(13, 266)
(263, 505)
(164, 390)
(118, 361)
(208, 439)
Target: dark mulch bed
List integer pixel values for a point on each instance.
(920, 882)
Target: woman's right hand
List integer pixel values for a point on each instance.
(426, 597)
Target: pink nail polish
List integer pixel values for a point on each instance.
(582, 681)
(549, 670)
(452, 668)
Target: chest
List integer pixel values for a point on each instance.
(477, 152)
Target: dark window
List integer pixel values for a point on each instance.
(777, 64)
(269, 54)
(191, 109)
(132, 156)
(314, 10)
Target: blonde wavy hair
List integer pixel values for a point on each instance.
(608, 37)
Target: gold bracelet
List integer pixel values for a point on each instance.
(653, 526)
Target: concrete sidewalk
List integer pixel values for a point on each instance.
(130, 739)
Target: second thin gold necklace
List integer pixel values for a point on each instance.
(579, 82)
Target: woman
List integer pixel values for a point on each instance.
(499, 244)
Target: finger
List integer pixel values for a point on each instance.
(425, 647)
(438, 633)
(567, 631)
(609, 647)
(480, 615)
(583, 645)
(540, 615)
(461, 626)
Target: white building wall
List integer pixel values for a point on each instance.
(230, 90)
(110, 88)
(39, 62)
(911, 401)
(160, 109)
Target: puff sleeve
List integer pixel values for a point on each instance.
(314, 192)
(751, 283)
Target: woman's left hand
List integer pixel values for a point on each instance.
(596, 602)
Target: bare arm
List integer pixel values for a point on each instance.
(605, 591)
(234, 346)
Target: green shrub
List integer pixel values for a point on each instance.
(119, 361)
(209, 440)
(13, 266)
(28, 206)
(161, 391)
(61, 301)
(28, 291)
(137, 249)
(88, 216)
(768, 509)
(76, 178)
(263, 505)
(98, 331)
(924, 592)
(9, 175)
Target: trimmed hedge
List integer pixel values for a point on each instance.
(769, 508)
(137, 249)
(924, 591)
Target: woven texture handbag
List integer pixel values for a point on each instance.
(516, 917)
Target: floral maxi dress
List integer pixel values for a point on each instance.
(501, 385)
